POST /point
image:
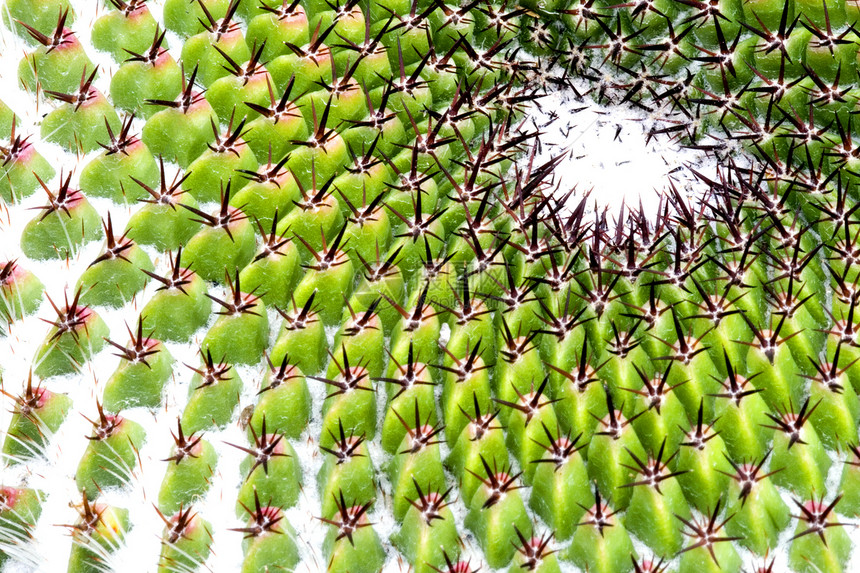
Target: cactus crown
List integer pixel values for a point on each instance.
(121, 142)
(464, 369)
(280, 374)
(528, 404)
(85, 93)
(736, 386)
(411, 374)
(654, 471)
(226, 25)
(560, 449)
(649, 565)
(699, 435)
(240, 302)
(70, 317)
(357, 324)
(128, 7)
(29, 400)
(300, 318)
(224, 217)
(748, 474)
(65, 197)
(115, 247)
(165, 194)
(90, 515)
(155, 51)
(177, 525)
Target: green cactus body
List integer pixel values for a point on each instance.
(59, 69)
(186, 544)
(494, 517)
(181, 134)
(119, 32)
(179, 308)
(66, 349)
(66, 224)
(417, 464)
(213, 395)
(277, 480)
(92, 545)
(140, 378)
(188, 477)
(111, 455)
(560, 488)
(284, 401)
(20, 509)
(347, 470)
(81, 124)
(111, 174)
(426, 541)
(154, 76)
(187, 18)
(20, 292)
(273, 549)
(116, 276)
(37, 415)
(21, 170)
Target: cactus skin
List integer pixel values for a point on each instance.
(111, 454)
(67, 223)
(82, 123)
(348, 471)
(186, 543)
(269, 542)
(20, 509)
(117, 275)
(427, 535)
(213, 395)
(38, 413)
(187, 479)
(140, 378)
(20, 292)
(180, 307)
(92, 545)
(22, 168)
(271, 472)
(284, 400)
(119, 32)
(111, 174)
(494, 517)
(601, 545)
(69, 346)
(357, 551)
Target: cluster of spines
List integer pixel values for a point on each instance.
(686, 350)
